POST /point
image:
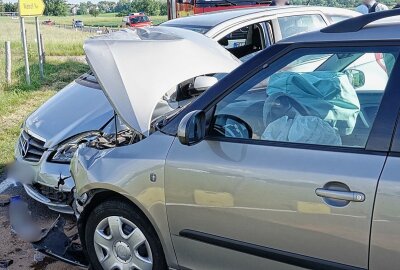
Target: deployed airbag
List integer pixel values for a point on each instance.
(302, 129)
(326, 95)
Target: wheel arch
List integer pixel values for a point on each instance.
(98, 196)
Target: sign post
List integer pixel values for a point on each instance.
(39, 44)
(24, 45)
(30, 8)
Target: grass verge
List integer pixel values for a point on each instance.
(18, 100)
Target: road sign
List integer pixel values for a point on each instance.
(31, 7)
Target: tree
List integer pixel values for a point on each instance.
(94, 11)
(10, 7)
(150, 7)
(123, 7)
(56, 8)
(163, 8)
(82, 9)
(106, 6)
(1, 6)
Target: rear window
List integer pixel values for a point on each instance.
(294, 25)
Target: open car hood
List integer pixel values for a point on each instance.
(136, 67)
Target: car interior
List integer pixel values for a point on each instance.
(244, 41)
(295, 106)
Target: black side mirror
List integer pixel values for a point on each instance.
(356, 77)
(192, 128)
(230, 126)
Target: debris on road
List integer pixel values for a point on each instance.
(5, 263)
(4, 200)
(58, 245)
(38, 257)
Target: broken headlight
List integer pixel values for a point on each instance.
(65, 152)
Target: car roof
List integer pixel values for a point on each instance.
(212, 19)
(386, 29)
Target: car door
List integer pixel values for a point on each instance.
(385, 243)
(286, 177)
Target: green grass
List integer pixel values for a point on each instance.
(103, 20)
(64, 54)
(17, 100)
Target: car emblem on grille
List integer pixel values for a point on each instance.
(24, 147)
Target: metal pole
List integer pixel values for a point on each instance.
(43, 50)
(39, 45)
(23, 36)
(8, 62)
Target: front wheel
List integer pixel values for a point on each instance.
(118, 237)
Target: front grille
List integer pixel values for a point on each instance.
(30, 148)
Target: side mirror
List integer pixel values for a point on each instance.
(192, 128)
(356, 77)
(202, 83)
(230, 126)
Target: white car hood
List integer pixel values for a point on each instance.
(136, 67)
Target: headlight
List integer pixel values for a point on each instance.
(66, 151)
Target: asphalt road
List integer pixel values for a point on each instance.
(12, 247)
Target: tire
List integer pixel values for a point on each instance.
(112, 249)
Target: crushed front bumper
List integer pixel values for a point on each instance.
(46, 182)
(35, 194)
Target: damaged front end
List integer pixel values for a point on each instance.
(56, 242)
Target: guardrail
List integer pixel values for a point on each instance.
(90, 29)
(10, 14)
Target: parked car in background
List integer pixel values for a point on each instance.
(48, 141)
(138, 20)
(249, 30)
(78, 24)
(280, 165)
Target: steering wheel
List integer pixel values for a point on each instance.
(232, 127)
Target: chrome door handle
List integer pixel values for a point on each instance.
(351, 196)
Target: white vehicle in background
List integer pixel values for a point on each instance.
(50, 136)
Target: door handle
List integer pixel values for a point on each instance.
(350, 196)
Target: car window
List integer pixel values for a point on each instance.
(134, 20)
(244, 41)
(328, 98)
(338, 18)
(294, 25)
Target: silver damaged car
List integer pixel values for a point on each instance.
(289, 162)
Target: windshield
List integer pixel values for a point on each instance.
(138, 19)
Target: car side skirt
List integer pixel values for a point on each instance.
(266, 252)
